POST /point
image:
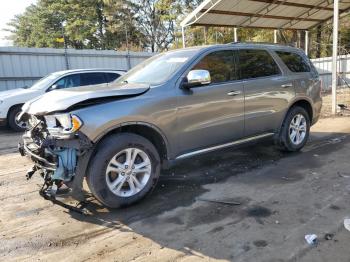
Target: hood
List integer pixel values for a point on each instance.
(17, 92)
(60, 100)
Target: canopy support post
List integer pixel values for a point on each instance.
(307, 42)
(275, 36)
(235, 34)
(334, 56)
(183, 37)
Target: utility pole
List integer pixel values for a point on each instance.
(183, 37)
(65, 45)
(127, 49)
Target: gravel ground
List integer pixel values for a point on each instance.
(282, 197)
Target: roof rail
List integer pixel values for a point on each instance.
(262, 43)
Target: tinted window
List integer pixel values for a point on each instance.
(92, 79)
(220, 65)
(256, 63)
(68, 81)
(111, 77)
(294, 62)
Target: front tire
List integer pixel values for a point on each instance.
(124, 169)
(14, 124)
(295, 130)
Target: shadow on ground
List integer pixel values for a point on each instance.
(181, 186)
(179, 189)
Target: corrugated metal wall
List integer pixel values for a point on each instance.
(21, 67)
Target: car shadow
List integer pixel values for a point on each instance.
(160, 216)
(181, 186)
(8, 140)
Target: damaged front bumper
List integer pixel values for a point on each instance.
(59, 161)
(29, 148)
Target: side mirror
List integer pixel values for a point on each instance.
(197, 78)
(53, 87)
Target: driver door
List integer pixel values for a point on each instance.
(213, 114)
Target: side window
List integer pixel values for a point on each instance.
(67, 82)
(92, 79)
(111, 77)
(294, 62)
(221, 66)
(256, 63)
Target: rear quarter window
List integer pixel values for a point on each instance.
(295, 62)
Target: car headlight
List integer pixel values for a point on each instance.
(63, 124)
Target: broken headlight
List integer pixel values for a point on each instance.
(63, 125)
(32, 120)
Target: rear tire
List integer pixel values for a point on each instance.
(295, 130)
(13, 123)
(111, 174)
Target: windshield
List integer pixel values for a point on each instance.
(45, 81)
(157, 69)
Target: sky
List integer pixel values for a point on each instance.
(7, 11)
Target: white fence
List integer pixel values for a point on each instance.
(21, 67)
(324, 68)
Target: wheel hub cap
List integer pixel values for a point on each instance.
(128, 172)
(297, 129)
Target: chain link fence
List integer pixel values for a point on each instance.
(324, 68)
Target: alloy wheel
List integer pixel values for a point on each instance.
(297, 129)
(128, 172)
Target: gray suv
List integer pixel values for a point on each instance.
(173, 106)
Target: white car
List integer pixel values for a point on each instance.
(11, 101)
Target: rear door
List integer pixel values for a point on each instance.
(92, 78)
(212, 114)
(111, 77)
(301, 69)
(267, 91)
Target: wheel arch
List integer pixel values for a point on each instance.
(146, 130)
(302, 102)
(13, 107)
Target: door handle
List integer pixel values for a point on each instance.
(287, 85)
(234, 93)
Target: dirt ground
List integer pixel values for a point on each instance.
(343, 97)
(282, 198)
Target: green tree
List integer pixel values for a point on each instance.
(82, 23)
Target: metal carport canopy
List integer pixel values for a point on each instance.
(271, 14)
